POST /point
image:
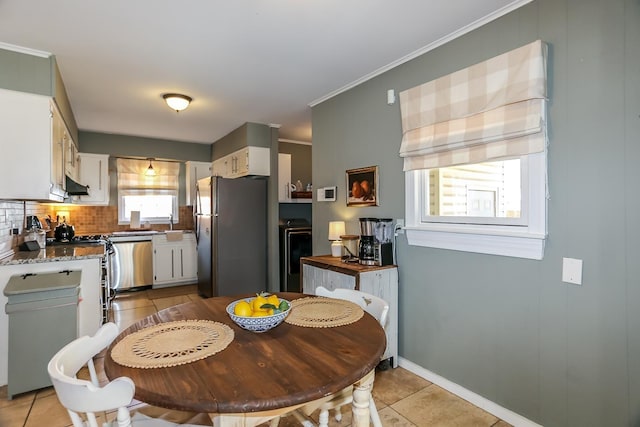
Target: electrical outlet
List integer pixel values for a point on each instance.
(399, 226)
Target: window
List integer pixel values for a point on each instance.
(156, 197)
(504, 233)
(474, 147)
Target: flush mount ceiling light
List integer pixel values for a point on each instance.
(177, 102)
(150, 171)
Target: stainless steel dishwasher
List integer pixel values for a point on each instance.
(132, 262)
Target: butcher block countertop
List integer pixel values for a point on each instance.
(55, 253)
(336, 264)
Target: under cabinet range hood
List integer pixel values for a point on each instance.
(75, 189)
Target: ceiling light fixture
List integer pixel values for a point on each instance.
(177, 102)
(150, 171)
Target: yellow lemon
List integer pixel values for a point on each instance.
(273, 299)
(242, 309)
(258, 302)
(259, 314)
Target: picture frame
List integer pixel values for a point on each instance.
(362, 187)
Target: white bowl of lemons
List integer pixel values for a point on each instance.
(259, 313)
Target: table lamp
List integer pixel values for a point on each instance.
(336, 229)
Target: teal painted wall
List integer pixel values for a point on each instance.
(509, 329)
(34, 74)
(249, 134)
(300, 161)
(25, 73)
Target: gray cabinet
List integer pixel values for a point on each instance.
(381, 281)
(43, 316)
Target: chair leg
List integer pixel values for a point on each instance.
(323, 419)
(338, 415)
(124, 418)
(373, 414)
(274, 422)
(302, 419)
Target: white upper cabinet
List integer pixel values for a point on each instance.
(94, 173)
(32, 158)
(194, 172)
(246, 161)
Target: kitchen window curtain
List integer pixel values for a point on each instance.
(131, 175)
(491, 110)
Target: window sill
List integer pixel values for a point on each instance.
(501, 242)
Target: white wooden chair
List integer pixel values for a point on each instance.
(379, 309)
(87, 397)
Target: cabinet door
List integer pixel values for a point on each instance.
(189, 258)
(94, 172)
(384, 284)
(26, 121)
(257, 161)
(312, 277)
(194, 172)
(284, 177)
(164, 268)
(57, 150)
(70, 157)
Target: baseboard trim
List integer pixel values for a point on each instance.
(491, 407)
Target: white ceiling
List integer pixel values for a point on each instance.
(262, 61)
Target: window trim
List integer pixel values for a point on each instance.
(526, 241)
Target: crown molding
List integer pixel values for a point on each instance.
(25, 50)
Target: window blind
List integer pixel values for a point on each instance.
(491, 110)
(131, 175)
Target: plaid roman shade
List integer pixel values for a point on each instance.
(131, 175)
(491, 110)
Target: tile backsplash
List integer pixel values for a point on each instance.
(85, 220)
(12, 215)
(104, 219)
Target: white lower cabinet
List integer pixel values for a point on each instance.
(332, 273)
(174, 261)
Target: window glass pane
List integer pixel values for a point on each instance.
(157, 207)
(481, 190)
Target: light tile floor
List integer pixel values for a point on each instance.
(402, 398)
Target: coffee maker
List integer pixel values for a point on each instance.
(384, 241)
(367, 249)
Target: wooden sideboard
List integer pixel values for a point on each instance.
(381, 281)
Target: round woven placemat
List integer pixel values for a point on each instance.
(320, 312)
(172, 344)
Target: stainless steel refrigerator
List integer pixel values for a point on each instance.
(231, 231)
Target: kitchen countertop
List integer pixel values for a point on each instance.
(55, 253)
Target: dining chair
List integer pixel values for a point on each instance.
(379, 309)
(80, 396)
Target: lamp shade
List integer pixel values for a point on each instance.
(336, 229)
(176, 101)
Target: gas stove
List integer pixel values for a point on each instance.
(91, 239)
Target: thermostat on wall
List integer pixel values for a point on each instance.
(327, 194)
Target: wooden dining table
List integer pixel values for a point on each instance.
(260, 376)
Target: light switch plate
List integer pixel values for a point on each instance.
(572, 271)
